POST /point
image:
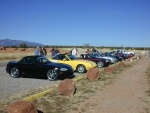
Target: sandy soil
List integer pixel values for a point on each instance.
(127, 94)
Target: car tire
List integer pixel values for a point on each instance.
(81, 69)
(14, 72)
(100, 64)
(52, 75)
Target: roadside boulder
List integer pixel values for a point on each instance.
(93, 74)
(66, 87)
(22, 107)
(131, 60)
(122, 64)
(109, 69)
(140, 56)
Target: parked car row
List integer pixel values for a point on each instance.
(101, 62)
(61, 65)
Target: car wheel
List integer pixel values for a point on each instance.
(52, 75)
(81, 69)
(100, 64)
(14, 72)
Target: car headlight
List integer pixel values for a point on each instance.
(56, 68)
(63, 69)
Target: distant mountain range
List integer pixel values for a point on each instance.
(9, 42)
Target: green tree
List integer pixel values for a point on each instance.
(23, 46)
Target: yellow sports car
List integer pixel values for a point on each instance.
(81, 66)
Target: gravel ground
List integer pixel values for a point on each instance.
(10, 86)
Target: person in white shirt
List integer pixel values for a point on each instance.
(74, 52)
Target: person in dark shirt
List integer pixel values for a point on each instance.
(43, 51)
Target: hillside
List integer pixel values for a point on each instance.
(9, 42)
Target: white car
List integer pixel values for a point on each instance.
(125, 51)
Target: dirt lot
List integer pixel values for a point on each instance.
(127, 93)
(123, 91)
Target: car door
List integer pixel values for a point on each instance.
(65, 60)
(28, 66)
(40, 67)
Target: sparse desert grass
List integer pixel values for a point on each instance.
(148, 91)
(13, 56)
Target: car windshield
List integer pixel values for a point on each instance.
(97, 55)
(72, 57)
(42, 60)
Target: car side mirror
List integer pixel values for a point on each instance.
(64, 59)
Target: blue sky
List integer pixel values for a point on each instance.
(77, 22)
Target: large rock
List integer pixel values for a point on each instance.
(140, 56)
(131, 60)
(66, 87)
(122, 64)
(93, 74)
(22, 107)
(109, 69)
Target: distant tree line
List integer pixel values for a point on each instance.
(86, 45)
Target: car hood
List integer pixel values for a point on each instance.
(59, 65)
(108, 58)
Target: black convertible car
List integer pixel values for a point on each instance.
(40, 67)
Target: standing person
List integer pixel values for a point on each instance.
(43, 51)
(149, 52)
(53, 51)
(56, 51)
(93, 49)
(70, 52)
(37, 51)
(74, 52)
(87, 51)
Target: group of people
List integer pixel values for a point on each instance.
(54, 52)
(41, 51)
(93, 51)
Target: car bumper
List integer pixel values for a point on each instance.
(7, 70)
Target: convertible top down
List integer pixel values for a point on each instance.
(38, 66)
